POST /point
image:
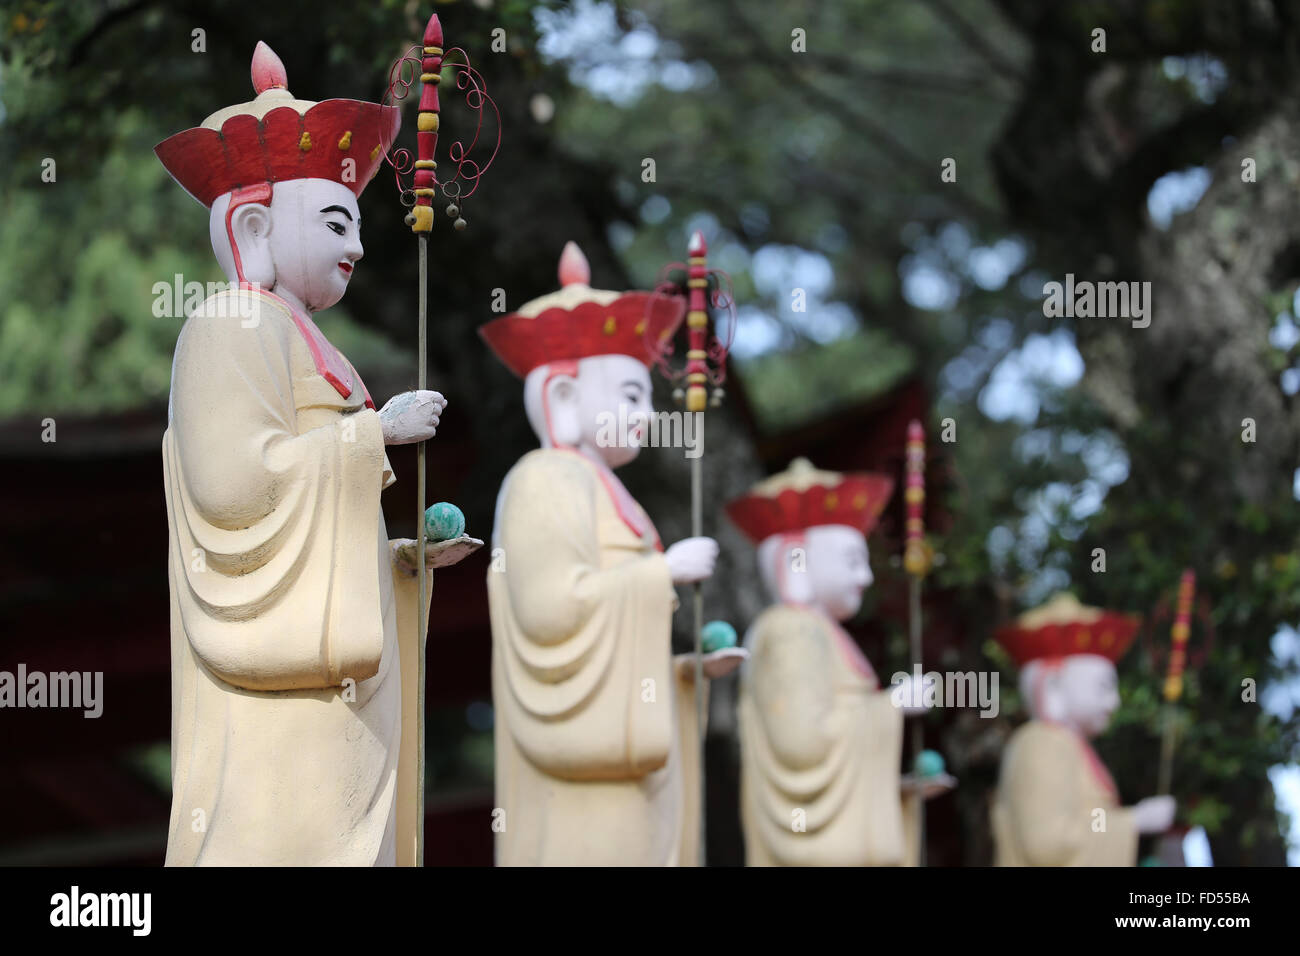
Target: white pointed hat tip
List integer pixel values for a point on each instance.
(574, 268)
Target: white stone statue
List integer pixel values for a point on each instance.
(292, 618)
(1056, 803)
(596, 733)
(821, 740)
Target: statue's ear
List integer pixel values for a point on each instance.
(1049, 693)
(562, 400)
(792, 573)
(250, 228)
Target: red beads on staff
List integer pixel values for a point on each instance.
(1181, 631)
(427, 128)
(916, 556)
(697, 322)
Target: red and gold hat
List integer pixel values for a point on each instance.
(275, 138)
(803, 497)
(1062, 627)
(580, 322)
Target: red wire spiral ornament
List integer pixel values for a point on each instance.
(700, 285)
(418, 62)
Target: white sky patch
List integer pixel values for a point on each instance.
(612, 63)
(990, 267)
(1207, 75)
(1176, 193)
(926, 285)
(756, 332)
(1015, 389)
(1284, 334)
(1281, 700)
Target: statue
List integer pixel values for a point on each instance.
(1056, 803)
(821, 741)
(596, 733)
(293, 617)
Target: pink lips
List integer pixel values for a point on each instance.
(346, 267)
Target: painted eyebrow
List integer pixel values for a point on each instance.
(338, 209)
(633, 384)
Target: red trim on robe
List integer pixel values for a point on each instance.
(330, 363)
(848, 647)
(627, 507)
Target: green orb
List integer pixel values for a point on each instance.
(716, 635)
(443, 521)
(929, 763)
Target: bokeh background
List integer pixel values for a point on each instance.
(808, 141)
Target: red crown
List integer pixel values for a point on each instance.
(578, 322)
(1063, 627)
(275, 138)
(802, 498)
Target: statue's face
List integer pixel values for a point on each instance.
(303, 247)
(614, 406)
(604, 409)
(315, 240)
(1089, 692)
(839, 569)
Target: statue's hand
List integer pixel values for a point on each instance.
(411, 417)
(716, 664)
(1154, 814)
(692, 559)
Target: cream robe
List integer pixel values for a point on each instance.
(820, 749)
(1044, 812)
(282, 588)
(595, 739)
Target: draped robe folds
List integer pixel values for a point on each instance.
(292, 636)
(820, 749)
(595, 732)
(1045, 812)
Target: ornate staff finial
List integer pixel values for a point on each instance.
(1173, 689)
(916, 554)
(428, 61)
(421, 216)
(706, 354)
(1182, 629)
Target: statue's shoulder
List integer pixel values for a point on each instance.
(545, 464)
(242, 310)
(790, 621)
(1040, 735)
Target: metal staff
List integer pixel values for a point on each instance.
(916, 562)
(420, 196)
(705, 364)
(1174, 677)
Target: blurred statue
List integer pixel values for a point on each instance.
(292, 620)
(1056, 803)
(596, 734)
(821, 741)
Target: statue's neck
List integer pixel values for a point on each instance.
(290, 299)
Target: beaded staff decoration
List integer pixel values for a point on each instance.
(1173, 689)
